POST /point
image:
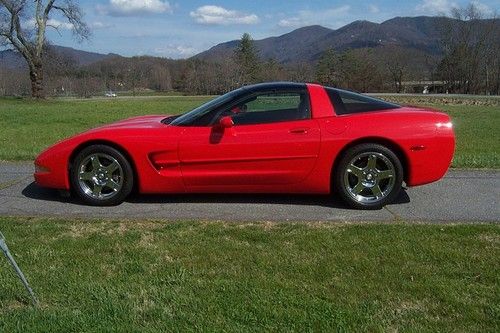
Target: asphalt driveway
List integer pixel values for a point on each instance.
(462, 196)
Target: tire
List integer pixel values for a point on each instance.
(101, 176)
(368, 176)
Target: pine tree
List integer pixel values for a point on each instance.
(327, 69)
(247, 60)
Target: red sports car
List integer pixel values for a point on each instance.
(264, 138)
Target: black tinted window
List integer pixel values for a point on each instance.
(346, 102)
(270, 107)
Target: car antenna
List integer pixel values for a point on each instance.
(10, 258)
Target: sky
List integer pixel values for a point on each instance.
(180, 29)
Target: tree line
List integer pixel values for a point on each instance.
(469, 64)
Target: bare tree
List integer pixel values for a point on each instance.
(16, 19)
(397, 66)
(468, 40)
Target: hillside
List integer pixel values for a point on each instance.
(421, 34)
(13, 60)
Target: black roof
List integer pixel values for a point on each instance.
(266, 86)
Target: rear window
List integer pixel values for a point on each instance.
(347, 102)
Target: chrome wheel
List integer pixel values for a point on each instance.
(369, 177)
(100, 176)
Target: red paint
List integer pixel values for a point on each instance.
(286, 157)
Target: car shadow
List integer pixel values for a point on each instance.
(33, 191)
(270, 199)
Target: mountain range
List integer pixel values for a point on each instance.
(422, 34)
(14, 60)
(418, 35)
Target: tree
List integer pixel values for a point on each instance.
(16, 19)
(359, 72)
(274, 71)
(328, 69)
(468, 42)
(397, 65)
(247, 59)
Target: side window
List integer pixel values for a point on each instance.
(347, 102)
(272, 107)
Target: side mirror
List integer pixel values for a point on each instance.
(226, 122)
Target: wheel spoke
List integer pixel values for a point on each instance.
(96, 164)
(86, 175)
(357, 171)
(385, 174)
(97, 190)
(112, 167)
(372, 162)
(377, 192)
(113, 185)
(358, 188)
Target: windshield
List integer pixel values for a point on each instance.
(189, 117)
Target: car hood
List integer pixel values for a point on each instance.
(152, 121)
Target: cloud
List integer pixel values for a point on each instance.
(443, 7)
(483, 9)
(308, 17)
(433, 7)
(59, 24)
(373, 9)
(100, 25)
(56, 24)
(216, 15)
(175, 51)
(134, 7)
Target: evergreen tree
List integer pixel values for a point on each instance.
(247, 60)
(327, 69)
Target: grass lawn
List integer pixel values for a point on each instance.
(477, 130)
(27, 127)
(152, 276)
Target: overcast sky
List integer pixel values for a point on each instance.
(179, 29)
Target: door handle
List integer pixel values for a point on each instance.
(299, 130)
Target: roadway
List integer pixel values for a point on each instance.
(462, 196)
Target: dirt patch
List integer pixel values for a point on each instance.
(147, 240)
(85, 229)
(490, 238)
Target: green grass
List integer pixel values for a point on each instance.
(478, 135)
(476, 127)
(152, 276)
(27, 127)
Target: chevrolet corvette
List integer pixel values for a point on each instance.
(277, 137)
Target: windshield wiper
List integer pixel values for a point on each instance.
(168, 120)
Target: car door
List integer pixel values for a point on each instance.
(272, 141)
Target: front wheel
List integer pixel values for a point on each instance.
(101, 176)
(368, 176)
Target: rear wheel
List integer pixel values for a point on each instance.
(101, 176)
(368, 176)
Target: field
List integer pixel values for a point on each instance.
(152, 276)
(27, 127)
(155, 276)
